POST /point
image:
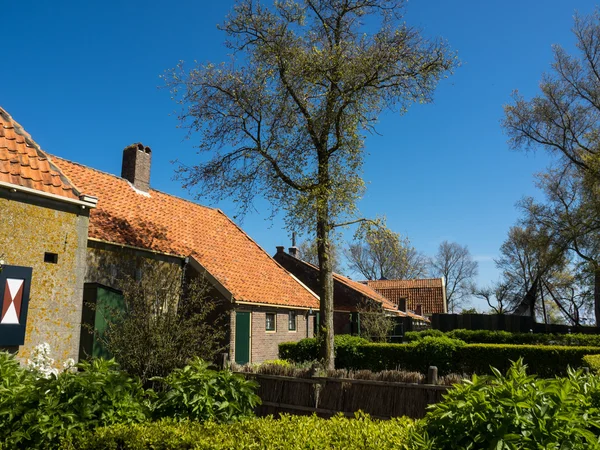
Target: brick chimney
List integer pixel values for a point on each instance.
(419, 310)
(293, 251)
(136, 166)
(280, 249)
(402, 304)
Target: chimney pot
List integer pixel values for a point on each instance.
(293, 251)
(137, 160)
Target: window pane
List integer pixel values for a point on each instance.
(270, 322)
(292, 321)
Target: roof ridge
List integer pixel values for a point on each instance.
(399, 279)
(29, 141)
(125, 179)
(342, 278)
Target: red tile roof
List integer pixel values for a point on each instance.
(24, 164)
(366, 291)
(429, 293)
(163, 223)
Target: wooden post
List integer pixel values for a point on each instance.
(224, 361)
(432, 375)
(586, 370)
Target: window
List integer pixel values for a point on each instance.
(270, 321)
(292, 321)
(51, 258)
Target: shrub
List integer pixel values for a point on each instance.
(411, 336)
(516, 411)
(287, 432)
(308, 349)
(199, 393)
(505, 337)
(593, 362)
(39, 412)
(454, 356)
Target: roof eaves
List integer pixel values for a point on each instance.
(84, 201)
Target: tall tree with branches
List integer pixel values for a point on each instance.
(564, 120)
(286, 118)
(379, 253)
(455, 263)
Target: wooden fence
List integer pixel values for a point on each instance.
(329, 396)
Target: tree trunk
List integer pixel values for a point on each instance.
(597, 295)
(325, 286)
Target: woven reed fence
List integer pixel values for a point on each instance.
(329, 396)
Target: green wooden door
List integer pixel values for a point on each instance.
(242, 337)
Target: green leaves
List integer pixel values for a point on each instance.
(199, 393)
(516, 411)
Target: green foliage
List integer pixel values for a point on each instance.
(308, 349)
(452, 356)
(505, 337)
(199, 393)
(285, 433)
(516, 411)
(593, 362)
(39, 412)
(411, 336)
(160, 327)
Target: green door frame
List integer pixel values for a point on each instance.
(243, 337)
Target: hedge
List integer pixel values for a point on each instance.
(593, 362)
(450, 356)
(287, 432)
(505, 337)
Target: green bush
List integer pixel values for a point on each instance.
(308, 349)
(593, 362)
(287, 432)
(199, 393)
(39, 412)
(505, 337)
(453, 356)
(516, 411)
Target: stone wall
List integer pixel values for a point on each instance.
(30, 227)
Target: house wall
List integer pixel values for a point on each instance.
(31, 226)
(265, 344)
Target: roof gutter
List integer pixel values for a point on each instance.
(272, 305)
(84, 201)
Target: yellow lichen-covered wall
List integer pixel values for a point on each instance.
(29, 227)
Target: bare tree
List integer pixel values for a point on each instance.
(378, 253)
(564, 120)
(455, 263)
(498, 297)
(375, 324)
(287, 118)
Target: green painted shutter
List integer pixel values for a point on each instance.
(242, 337)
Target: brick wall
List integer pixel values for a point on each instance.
(265, 344)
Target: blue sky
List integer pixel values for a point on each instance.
(83, 79)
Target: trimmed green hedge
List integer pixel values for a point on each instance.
(593, 362)
(505, 337)
(288, 432)
(450, 356)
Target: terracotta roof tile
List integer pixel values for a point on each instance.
(168, 224)
(365, 291)
(429, 293)
(23, 163)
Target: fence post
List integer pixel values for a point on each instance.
(432, 375)
(224, 361)
(586, 370)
